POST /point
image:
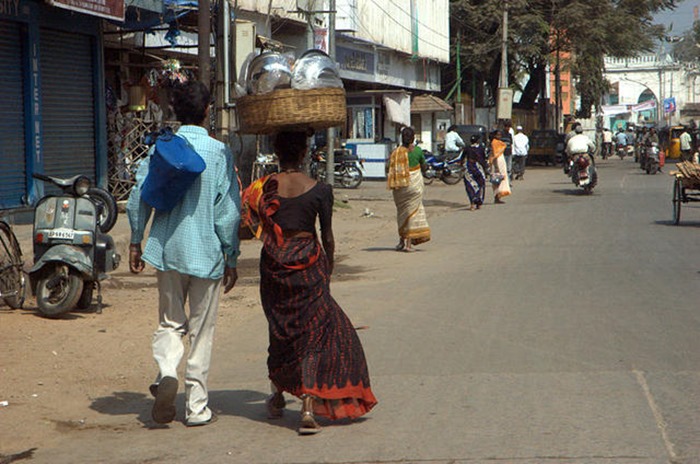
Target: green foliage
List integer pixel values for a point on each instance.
(588, 29)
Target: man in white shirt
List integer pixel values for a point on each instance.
(685, 141)
(521, 147)
(453, 143)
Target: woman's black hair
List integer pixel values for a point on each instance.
(452, 128)
(190, 102)
(407, 136)
(475, 138)
(290, 146)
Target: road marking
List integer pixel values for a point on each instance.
(660, 422)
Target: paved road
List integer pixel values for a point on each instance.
(556, 328)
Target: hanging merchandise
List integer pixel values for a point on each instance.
(173, 72)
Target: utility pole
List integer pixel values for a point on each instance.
(330, 157)
(204, 28)
(503, 78)
(459, 107)
(504, 105)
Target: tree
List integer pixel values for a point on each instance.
(587, 29)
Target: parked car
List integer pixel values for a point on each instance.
(547, 146)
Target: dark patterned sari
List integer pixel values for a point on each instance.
(314, 348)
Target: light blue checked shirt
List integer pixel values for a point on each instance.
(200, 235)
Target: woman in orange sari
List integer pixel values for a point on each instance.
(405, 179)
(498, 165)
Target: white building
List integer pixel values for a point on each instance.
(650, 89)
(387, 51)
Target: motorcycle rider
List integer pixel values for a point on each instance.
(453, 143)
(580, 145)
(621, 139)
(651, 139)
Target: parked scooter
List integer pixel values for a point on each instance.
(583, 172)
(450, 171)
(347, 170)
(72, 251)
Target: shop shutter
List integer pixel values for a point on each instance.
(12, 143)
(68, 104)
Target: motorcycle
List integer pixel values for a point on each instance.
(72, 251)
(652, 163)
(583, 172)
(347, 169)
(449, 171)
(622, 151)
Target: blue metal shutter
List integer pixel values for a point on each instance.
(68, 106)
(12, 143)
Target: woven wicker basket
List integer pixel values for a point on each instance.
(291, 109)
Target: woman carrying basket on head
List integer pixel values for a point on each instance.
(405, 179)
(314, 352)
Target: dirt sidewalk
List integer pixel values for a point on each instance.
(52, 370)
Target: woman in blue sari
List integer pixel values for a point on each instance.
(475, 178)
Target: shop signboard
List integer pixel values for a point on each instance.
(109, 9)
(355, 60)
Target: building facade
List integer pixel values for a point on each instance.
(52, 117)
(650, 89)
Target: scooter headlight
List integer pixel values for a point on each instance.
(81, 185)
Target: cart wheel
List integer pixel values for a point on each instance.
(677, 199)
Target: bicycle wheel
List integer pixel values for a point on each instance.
(13, 284)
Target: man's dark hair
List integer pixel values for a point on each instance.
(407, 136)
(190, 102)
(290, 146)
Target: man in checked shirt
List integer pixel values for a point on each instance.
(194, 248)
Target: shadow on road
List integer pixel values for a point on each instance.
(448, 204)
(572, 192)
(683, 223)
(248, 404)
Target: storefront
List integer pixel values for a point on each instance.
(52, 92)
(379, 83)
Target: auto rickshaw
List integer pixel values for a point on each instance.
(670, 138)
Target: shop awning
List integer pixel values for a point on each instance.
(429, 104)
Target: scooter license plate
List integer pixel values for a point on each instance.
(61, 233)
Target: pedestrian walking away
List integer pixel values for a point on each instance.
(507, 137)
(475, 175)
(193, 247)
(521, 147)
(498, 168)
(405, 180)
(314, 352)
(686, 147)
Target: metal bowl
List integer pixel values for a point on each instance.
(315, 69)
(267, 72)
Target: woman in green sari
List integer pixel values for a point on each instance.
(405, 179)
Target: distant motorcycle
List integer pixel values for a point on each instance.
(583, 172)
(449, 171)
(346, 170)
(652, 163)
(622, 151)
